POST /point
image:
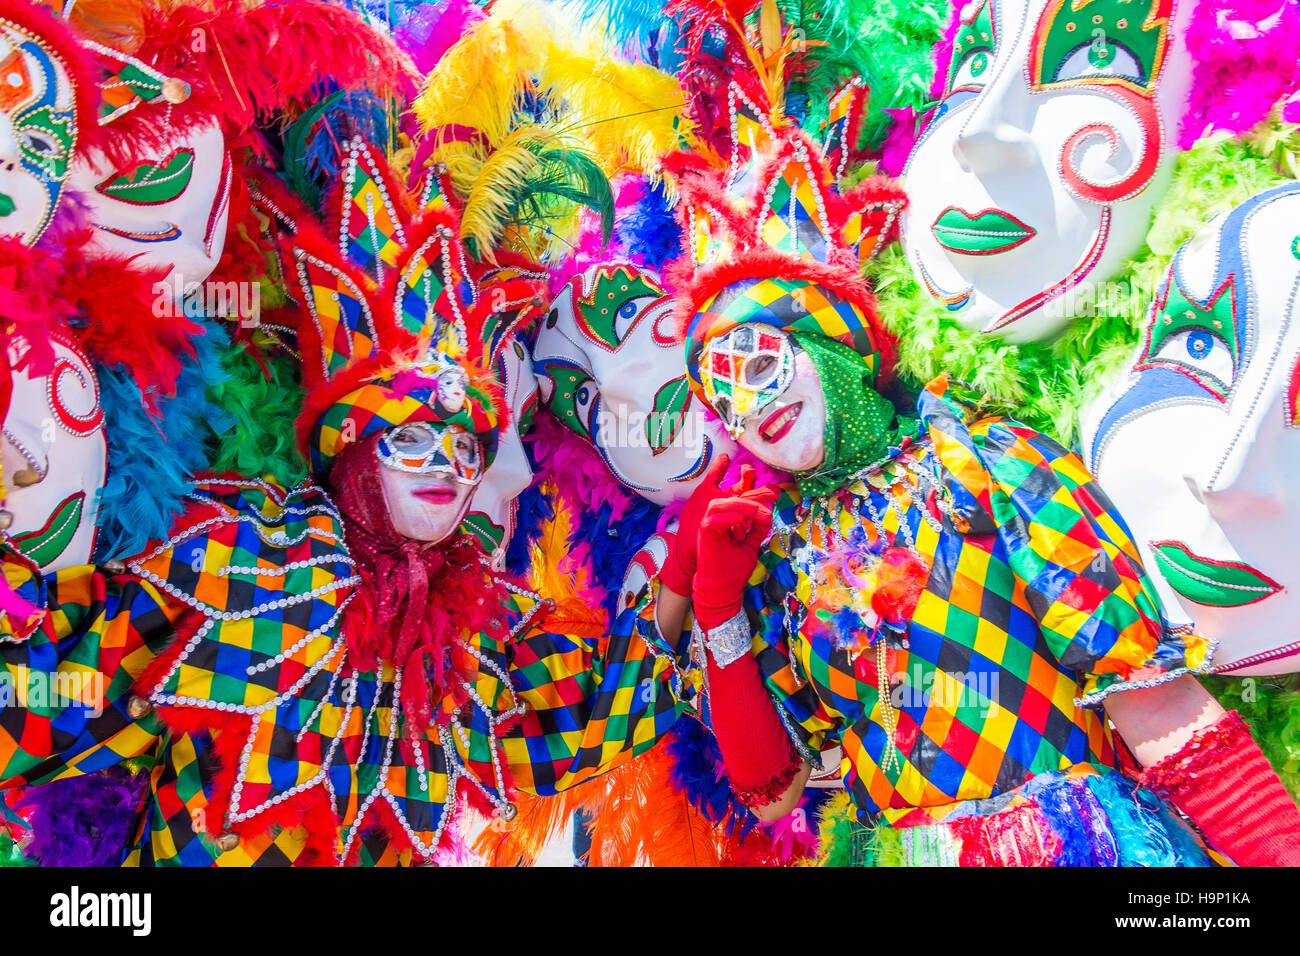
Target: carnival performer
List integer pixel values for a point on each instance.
(949, 595)
(325, 676)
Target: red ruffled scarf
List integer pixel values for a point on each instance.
(415, 598)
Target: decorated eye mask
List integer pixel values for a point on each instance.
(745, 371)
(426, 448)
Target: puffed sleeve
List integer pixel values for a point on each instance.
(1082, 574)
(67, 684)
(592, 701)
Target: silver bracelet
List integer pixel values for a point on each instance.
(729, 641)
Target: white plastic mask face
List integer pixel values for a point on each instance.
(55, 455)
(609, 369)
(38, 130)
(1040, 169)
(492, 519)
(167, 206)
(1199, 445)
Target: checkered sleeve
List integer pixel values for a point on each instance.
(1082, 573)
(592, 704)
(65, 688)
(801, 711)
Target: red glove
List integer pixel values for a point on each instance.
(731, 535)
(761, 761)
(1222, 781)
(679, 568)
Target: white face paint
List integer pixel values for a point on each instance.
(493, 519)
(790, 433)
(1039, 172)
(54, 458)
(609, 369)
(424, 507)
(168, 207)
(1199, 444)
(38, 128)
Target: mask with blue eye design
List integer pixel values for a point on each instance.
(1199, 443)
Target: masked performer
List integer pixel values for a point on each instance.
(322, 676)
(951, 597)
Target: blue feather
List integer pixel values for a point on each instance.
(534, 509)
(637, 27)
(614, 544)
(696, 773)
(151, 460)
(650, 229)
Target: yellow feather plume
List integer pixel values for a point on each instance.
(479, 81)
(629, 114)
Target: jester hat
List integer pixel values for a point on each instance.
(769, 237)
(394, 326)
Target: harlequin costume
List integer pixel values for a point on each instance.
(314, 688)
(946, 596)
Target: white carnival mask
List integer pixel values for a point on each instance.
(1199, 444)
(610, 370)
(38, 131)
(167, 206)
(1039, 171)
(54, 457)
(492, 517)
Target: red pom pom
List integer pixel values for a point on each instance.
(900, 578)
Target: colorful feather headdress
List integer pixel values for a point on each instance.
(530, 118)
(395, 326)
(769, 237)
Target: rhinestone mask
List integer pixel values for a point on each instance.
(745, 371)
(427, 448)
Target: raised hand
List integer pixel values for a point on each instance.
(679, 569)
(730, 538)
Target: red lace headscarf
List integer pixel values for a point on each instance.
(416, 597)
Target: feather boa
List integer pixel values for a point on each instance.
(83, 821)
(635, 818)
(243, 62)
(1247, 59)
(151, 460)
(256, 397)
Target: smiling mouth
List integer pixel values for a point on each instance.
(777, 425)
(1211, 582)
(984, 233)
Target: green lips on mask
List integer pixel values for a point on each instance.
(489, 533)
(1209, 582)
(6, 205)
(51, 539)
(981, 234)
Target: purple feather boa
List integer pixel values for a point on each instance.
(83, 821)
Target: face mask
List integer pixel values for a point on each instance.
(37, 132)
(425, 448)
(745, 371)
